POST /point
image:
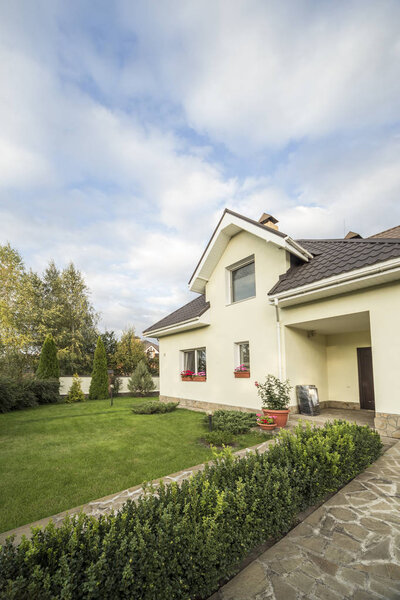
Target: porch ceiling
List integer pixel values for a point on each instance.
(337, 324)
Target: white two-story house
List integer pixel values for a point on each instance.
(320, 312)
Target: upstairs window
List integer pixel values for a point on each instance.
(243, 282)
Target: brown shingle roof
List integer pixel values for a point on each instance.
(333, 257)
(192, 309)
(393, 232)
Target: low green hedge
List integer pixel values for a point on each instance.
(16, 394)
(233, 421)
(180, 543)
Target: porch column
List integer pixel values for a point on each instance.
(385, 338)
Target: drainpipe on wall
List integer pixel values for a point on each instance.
(278, 336)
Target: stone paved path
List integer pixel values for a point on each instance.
(349, 548)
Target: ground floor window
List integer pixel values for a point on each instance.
(195, 360)
(242, 357)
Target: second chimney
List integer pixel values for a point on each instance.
(268, 221)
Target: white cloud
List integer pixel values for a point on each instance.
(253, 74)
(102, 159)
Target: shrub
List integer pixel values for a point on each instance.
(274, 393)
(141, 381)
(153, 406)
(219, 438)
(16, 394)
(99, 384)
(182, 541)
(75, 393)
(117, 383)
(48, 367)
(233, 421)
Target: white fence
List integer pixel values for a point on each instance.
(66, 382)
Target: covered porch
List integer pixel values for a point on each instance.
(336, 355)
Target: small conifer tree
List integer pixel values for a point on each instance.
(99, 384)
(141, 381)
(48, 367)
(75, 393)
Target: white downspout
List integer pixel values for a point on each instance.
(278, 337)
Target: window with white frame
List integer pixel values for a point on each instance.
(242, 280)
(242, 354)
(195, 360)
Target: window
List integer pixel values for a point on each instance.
(242, 354)
(243, 282)
(195, 360)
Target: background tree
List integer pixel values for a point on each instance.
(141, 381)
(48, 367)
(129, 353)
(153, 364)
(110, 342)
(99, 384)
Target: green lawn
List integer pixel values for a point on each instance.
(59, 456)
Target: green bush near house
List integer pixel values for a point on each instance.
(233, 421)
(99, 384)
(16, 394)
(151, 407)
(180, 543)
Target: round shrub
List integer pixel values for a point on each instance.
(153, 406)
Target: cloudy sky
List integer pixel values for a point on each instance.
(126, 127)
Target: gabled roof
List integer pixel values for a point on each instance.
(229, 225)
(334, 257)
(393, 232)
(191, 310)
(147, 344)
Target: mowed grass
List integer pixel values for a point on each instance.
(56, 457)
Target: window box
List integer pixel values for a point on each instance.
(186, 378)
(241, 374)
(199, 378)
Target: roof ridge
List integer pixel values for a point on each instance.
(384, 231)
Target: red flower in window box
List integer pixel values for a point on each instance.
(187, 375)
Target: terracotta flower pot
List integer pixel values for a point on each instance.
(199, 378)
(186, 378)
(281, 416)
(267, 427)
(242, 374)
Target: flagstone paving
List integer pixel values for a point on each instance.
(349, 548)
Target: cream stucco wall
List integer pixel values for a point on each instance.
(251, 320)
(383, 304)
(342, 366)
(306, 361)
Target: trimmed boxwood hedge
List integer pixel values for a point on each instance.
(16, 394)
(180, 543)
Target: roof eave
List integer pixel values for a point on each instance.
(383, 272)
(195, 323)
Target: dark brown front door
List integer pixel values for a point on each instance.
(366, 378)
